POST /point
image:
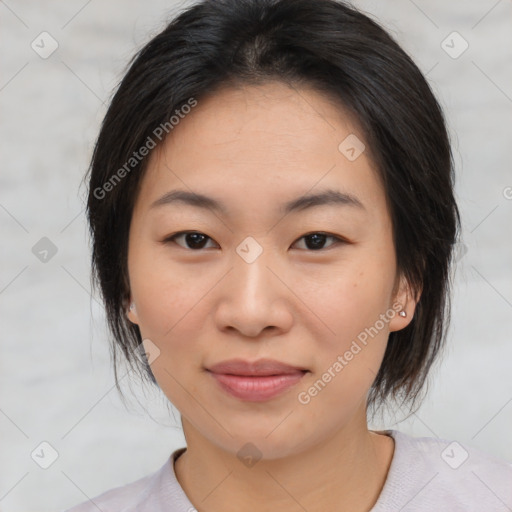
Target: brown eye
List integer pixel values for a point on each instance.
(316, 241)
(192, 239)
(196, 240)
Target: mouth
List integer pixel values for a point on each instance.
(256, 381)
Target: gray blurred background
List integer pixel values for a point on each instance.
(60, 62)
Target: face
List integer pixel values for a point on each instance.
(310, 286)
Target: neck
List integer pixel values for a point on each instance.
(344, 473)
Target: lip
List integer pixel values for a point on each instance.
(260, 367)
(255, 381)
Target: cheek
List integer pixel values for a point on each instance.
(171, 306)
(355, 307)
(350, 299)
(167, 294)
(347, 363)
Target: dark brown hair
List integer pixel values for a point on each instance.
(340, 52)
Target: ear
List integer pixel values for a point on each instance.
(405, 300)
(131, 312)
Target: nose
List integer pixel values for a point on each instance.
(254, 298)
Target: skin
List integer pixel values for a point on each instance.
(254, 148)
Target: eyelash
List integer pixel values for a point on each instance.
(337, 239)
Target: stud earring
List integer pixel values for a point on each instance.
(132, 306)
(402, 313)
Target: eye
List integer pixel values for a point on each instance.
(315, 241)
(196, 240)
(193, 239)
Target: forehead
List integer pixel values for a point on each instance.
(255, 144)
(262, 121)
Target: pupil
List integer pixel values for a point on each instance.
(196, 239)
(318, 240)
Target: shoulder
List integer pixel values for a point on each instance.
(155, 492)
(428, 473)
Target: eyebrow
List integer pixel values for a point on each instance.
(326, 197)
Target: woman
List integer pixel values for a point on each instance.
(273, 220)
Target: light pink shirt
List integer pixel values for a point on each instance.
(426, 475)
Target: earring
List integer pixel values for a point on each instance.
(402, 313)
(132, 306)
